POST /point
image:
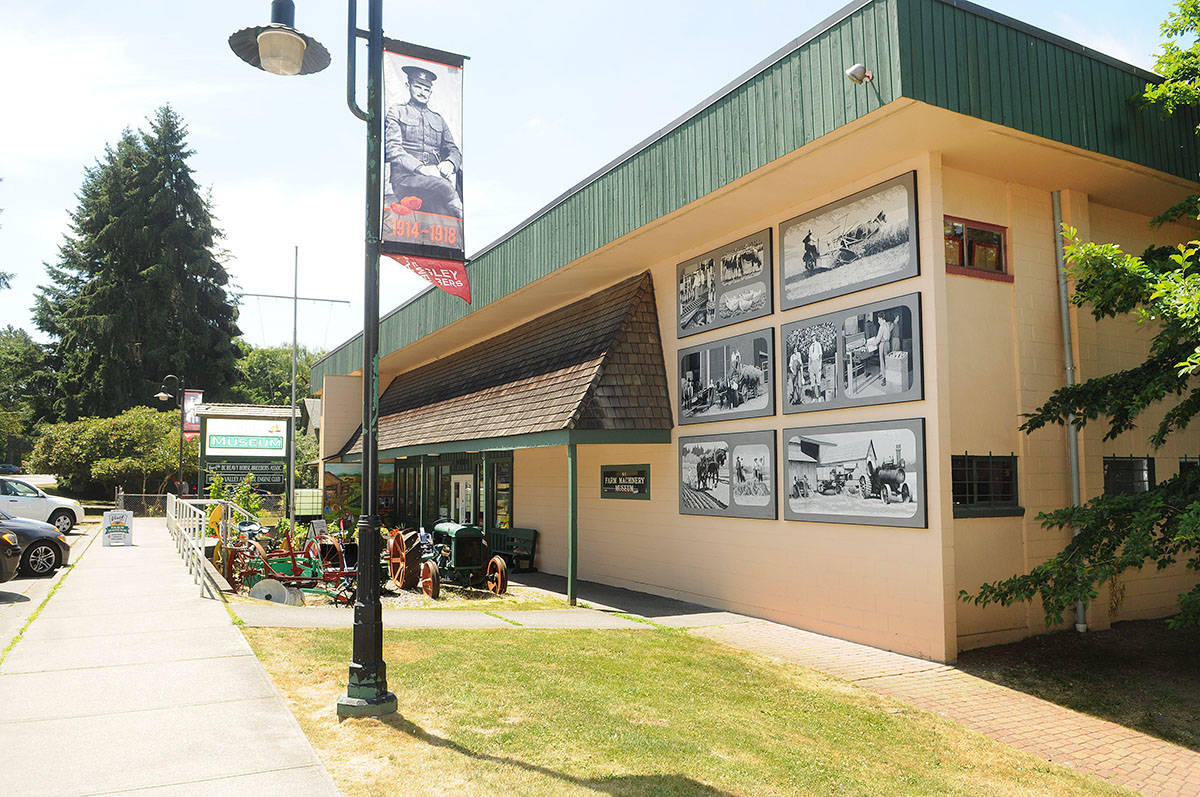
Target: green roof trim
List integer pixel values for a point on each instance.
(534, 440)
(948, 53)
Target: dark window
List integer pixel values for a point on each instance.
(984, 486)
(971, 245)
(1128, 475)
(502, 492)
(1187, 465)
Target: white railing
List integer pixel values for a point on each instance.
(187, 521)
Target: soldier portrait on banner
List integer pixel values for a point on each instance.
(422, 152)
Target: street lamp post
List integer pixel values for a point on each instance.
(282, 49)
(163, 395)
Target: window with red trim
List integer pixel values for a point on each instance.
(975, 248)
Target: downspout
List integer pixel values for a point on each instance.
(1064, 307)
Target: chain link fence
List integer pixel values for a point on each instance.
(155, 504)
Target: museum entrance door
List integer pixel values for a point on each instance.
(462, 498)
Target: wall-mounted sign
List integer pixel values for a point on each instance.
(871, 473)
(728, 378)
(625, 481)
(237, 437)
(866, 239)
(725, 286)
(270, 476)
(728, 475)
(863, 355)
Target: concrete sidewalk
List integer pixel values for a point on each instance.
(128, 679)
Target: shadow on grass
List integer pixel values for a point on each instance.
(1138, 674)
(614, 784)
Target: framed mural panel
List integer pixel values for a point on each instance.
(864, 240)
(728, 378)
(869, 354)
(868, 473)
(726, 286)
(728, 475)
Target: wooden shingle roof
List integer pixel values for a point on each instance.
(595, 364)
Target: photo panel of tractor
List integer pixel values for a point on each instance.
(864, 240)
(728, 378)
(726, 286)
(870, 473)
(731, 475)
(870, 354)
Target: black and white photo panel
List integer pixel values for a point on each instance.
(728, 475)
(864, 240)
(726, 286)
(869, 354)
(869, 473)
(728, 378)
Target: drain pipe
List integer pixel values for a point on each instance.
(1064, 307)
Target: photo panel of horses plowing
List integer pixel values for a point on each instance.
(728, 475)
(864, 240)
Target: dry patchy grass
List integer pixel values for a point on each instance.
(627, 712)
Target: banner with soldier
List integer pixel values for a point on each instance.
(423, 160)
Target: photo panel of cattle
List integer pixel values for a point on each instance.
(869, 473)
(731, 475)
(864, 240)
(869, 354)
(726, 286)
(728, 378)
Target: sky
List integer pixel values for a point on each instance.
(552, 92)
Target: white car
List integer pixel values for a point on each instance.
(21, 499)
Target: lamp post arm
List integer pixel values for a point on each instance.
(351, 70)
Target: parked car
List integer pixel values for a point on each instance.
(10, 555)
(43, 547)
(23, 500)
(8, 469)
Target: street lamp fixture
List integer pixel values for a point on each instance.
(280, 48)
(163, 395)
(366, 694)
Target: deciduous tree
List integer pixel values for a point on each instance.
(1162, 288)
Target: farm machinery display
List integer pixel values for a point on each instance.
(271, 565)
(886, 481)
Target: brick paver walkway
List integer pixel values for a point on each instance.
(1113, 752)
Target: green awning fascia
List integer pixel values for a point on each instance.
(535, 440)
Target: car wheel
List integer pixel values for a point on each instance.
(41, 559)
(62, 520)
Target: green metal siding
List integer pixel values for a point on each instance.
(947, 53)
(958, 56)
(799, 97)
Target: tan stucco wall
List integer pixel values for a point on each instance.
(341, 414)
(1007, 352)
(991, 352)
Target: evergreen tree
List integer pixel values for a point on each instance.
(138, 291)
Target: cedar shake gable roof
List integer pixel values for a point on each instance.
(594, 364)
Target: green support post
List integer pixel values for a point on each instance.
(572, 523)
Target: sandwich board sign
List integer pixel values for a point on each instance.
(118, 527)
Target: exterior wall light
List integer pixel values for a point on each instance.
(279, 47)
(860, 74)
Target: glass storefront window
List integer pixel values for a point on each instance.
(502, 492)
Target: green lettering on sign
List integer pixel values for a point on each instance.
(240, 441)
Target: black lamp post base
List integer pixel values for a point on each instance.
(366, 707)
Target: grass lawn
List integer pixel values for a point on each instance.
(627, 712)
(1138, 674)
